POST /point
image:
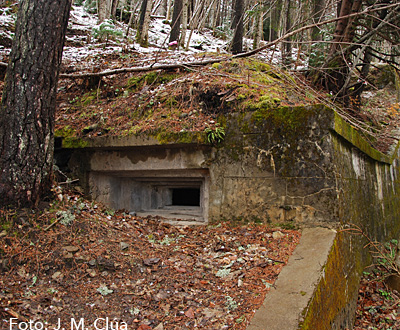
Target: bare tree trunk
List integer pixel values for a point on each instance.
(104, 9)
(216, 21)
(318, 8)
(176, 21)
(344, 33)
(133, 9)
(287, 23)
(274, 25)
(184, 22)
(237, 42)
(114, 6)
(28, 107)
(144, 23)
(258, 26)
(169, 6)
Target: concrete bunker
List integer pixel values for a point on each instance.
(170, 181)
(302, 165)
(175, 194)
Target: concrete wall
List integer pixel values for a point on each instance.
(276, 167)
(302, 166)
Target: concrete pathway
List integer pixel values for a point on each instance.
(295, 286)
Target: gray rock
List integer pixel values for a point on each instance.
(123, 245)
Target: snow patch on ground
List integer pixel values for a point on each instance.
(83, 47)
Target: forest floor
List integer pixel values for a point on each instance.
(378, 305)
(76, 259)
(95, 262)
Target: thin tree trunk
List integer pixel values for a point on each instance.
(131, 18)
(169, 6)
(104, 9)
(176, 21)
(27, 113)
(286, 44)
(216, 21)
(237, 42)
(114, 6)
(185, 5)
(318, 8)
(258, 26)
(144, 23)
(345, 29)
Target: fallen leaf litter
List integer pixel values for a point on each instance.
(141, 272)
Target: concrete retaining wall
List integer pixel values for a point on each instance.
(294, 166)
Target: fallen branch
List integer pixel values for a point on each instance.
(52, 224)
(142, 69)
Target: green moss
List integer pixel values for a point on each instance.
(65, 132)
(165, 137)
(88, 100)
(154, 77)
(264, 78)
(258, 66)
(171, 102)
(353, 136)
(335, 289)
(74, 143)
(216, 66)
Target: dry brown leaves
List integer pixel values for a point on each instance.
(94, 263)
(378, 306)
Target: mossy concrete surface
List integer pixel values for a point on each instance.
(291, 166)
(284, 305)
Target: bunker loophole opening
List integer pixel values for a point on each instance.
(173, 194)
(186, 196)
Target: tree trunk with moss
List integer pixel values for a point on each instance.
(27, 112)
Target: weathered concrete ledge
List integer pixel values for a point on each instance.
(285, 304)
(162, 138)
(349, 133)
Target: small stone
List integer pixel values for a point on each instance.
(3, 263)
(159, 327)
(106, 263)
(92, 262)
(151, 261)
(91, 272)
(277, 235)
(80, 257)
(123, 245)
(57, 275)
(71, 248)
(183, 115)
(68, 255)
(22, 272)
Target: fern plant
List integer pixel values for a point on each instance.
(215, 135)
